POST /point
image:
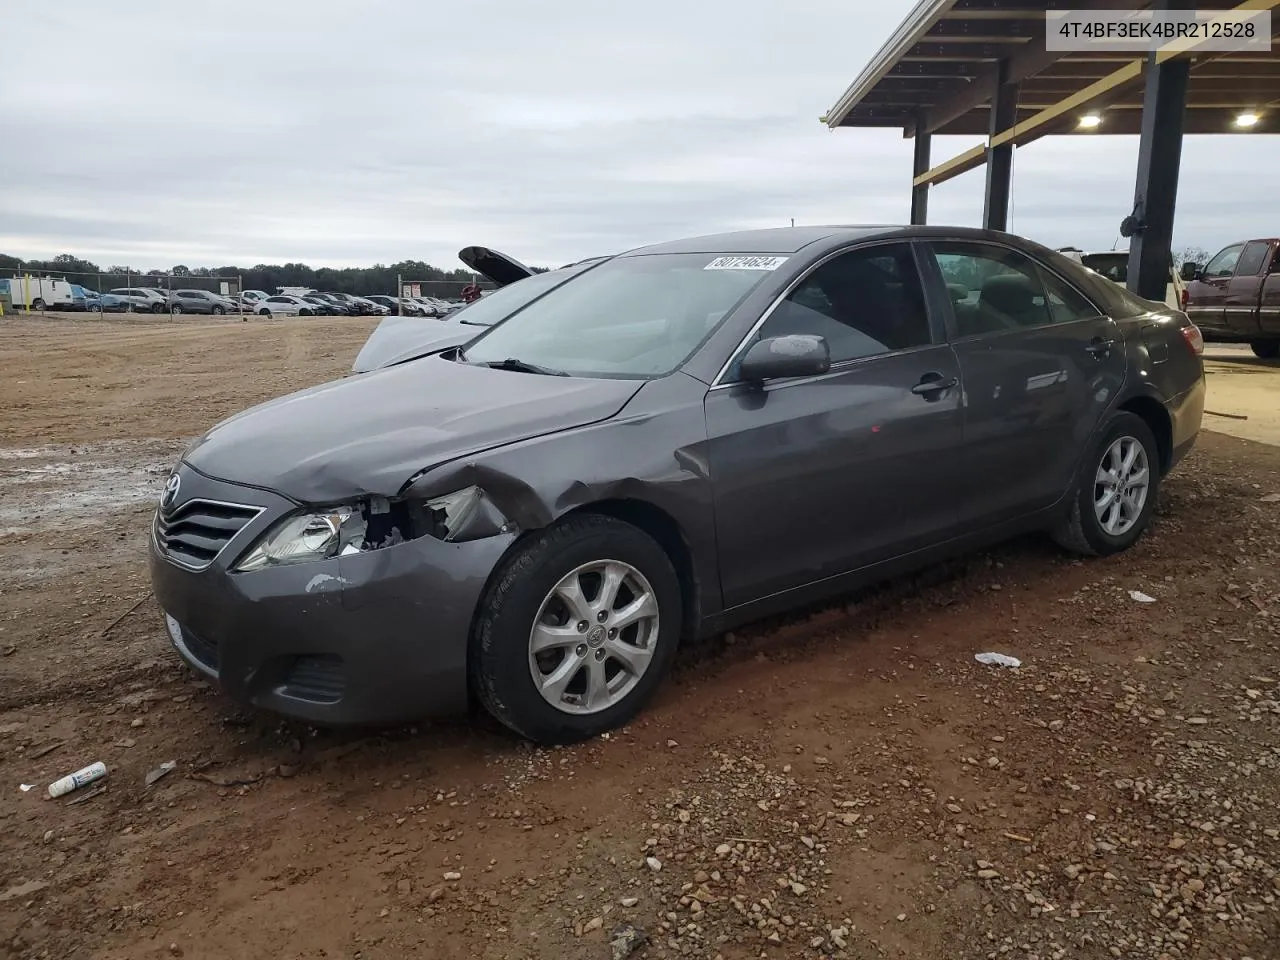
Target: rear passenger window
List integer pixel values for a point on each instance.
(865, 302)
(995, 289)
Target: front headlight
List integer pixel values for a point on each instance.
(307, 538)
(373, 524)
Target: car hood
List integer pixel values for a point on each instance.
(372, 433)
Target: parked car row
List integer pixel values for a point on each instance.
(309, 303)
(50, 294)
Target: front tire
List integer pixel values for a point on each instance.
(264, 313)
(1116, 492)
(218, 311)
(1265, 349)
(578, 627)
(175, 309)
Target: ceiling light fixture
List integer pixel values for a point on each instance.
(1247, 119)
(1090, 121)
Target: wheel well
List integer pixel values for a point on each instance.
(1157, 418)
(660, 525)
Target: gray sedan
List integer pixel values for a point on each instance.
(668, 443)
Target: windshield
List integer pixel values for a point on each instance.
(639, 316)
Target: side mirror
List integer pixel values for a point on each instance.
(1191, 271)
(798, 355)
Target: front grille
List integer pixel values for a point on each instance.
(195, 532)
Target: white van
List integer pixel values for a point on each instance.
(39, 293)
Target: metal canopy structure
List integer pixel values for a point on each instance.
(981, 67)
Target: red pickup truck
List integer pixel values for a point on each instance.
(1235, 297)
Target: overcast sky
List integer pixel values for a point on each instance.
(155, 132)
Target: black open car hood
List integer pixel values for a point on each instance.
(495, 265)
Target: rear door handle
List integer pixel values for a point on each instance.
(1099, 347)
(933, 383)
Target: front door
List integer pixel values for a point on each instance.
(822, 475)
(1207, 294)
(1040, 367)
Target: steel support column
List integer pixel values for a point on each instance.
(919, 165)
(1159, 158)
(1004, 114)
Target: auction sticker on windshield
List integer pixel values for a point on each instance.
(745, 263)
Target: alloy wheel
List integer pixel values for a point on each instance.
(594, 636)
(1121, 485)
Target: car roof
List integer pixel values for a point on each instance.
(794, 239)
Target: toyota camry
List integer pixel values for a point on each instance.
(668, 443)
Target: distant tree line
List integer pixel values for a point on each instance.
(359, 281)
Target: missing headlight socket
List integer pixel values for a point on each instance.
(390, 522)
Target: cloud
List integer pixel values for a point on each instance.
(236, 132)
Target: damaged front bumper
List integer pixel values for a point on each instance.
(368, 638)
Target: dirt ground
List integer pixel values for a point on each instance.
(845, 782)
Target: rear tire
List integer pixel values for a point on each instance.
(1265, 349)
(37, 304)
(523, 592)
(1084, 531)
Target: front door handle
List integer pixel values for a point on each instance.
(1100, 347)
(932, 383)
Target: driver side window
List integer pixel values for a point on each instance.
(864, 303)
(1224, 264)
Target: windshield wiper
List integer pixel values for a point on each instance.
(520, 366)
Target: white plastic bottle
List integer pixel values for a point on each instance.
(74, 781)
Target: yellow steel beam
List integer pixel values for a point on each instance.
(962, 163)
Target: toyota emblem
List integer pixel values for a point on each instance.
(171, 488)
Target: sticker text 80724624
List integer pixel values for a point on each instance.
(745, 263)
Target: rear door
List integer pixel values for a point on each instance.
(817, 476)
(1040, 365)
(1207, 294)
(1244, 290)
